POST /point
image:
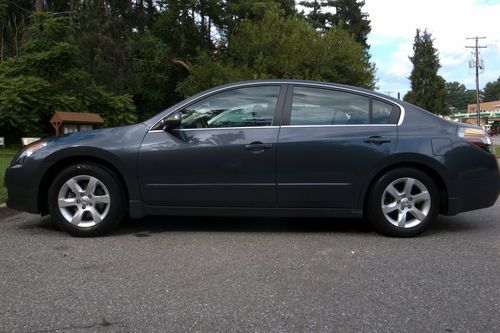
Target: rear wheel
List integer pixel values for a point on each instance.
(86, 200)
(403, 202)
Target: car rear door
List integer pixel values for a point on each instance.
(224, 154)
(330, 141)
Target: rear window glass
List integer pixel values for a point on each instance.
(381, 112)
(318, 106)
(312, 106)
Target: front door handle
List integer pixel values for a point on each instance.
(258, 147)
(378, 140)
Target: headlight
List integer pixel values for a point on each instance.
(28, 151)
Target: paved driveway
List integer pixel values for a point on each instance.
(261, 275)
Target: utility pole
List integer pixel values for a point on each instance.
(477, 66)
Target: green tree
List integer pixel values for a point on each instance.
(101, 34)
(279, 47)
(131, 59)
(207, 72)
(458, 96)
(349, 15)
(427, 87)
(15, 16)
(320, 13)
(236, 11)
(492, 91)
(48, 76)
(150, 74)
(25, 102)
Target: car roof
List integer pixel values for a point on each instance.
(310, 83)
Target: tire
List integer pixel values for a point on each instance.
(403, 202)
(86, 200)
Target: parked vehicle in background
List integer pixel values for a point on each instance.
(494, 132)
(263, 148)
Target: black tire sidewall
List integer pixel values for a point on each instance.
(374, 209)
(117, 199)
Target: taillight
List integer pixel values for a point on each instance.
(476, 136)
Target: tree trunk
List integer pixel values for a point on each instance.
(181, 63)
(1, 45)
(71, 10)
(17, 28)
(141, 16)
(209, 29)
(39, 6)
(150, 12)
(203, 25)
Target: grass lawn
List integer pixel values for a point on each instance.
(497, 150)
(6, 155)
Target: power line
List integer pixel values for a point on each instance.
(477, 65)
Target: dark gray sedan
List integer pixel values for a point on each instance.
(263, 148)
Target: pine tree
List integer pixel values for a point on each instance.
(427, 87)
(320, 15)
(349, 16)
(345, 14)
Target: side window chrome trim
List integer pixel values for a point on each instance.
(304, 84)
(217, 128)
(345, 125)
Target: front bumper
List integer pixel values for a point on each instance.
(22, 189)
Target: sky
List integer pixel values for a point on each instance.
(394, 25)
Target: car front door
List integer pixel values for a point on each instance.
(222, 155)
(331, 141)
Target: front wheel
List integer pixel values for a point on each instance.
(86, 200)
(403, 202)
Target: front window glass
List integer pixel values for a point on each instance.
(242, 107)
(313, 106)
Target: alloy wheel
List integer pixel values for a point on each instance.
(84, 201)
(406, 202)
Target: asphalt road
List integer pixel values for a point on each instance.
(242, 274)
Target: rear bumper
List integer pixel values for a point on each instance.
(476, 192)
(22, 190)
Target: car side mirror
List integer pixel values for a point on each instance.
(172, 121)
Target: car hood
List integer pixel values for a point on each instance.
(97, 137)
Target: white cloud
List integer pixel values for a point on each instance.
(449, 21)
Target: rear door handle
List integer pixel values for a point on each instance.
(378, 140)
(258, 146)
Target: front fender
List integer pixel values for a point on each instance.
(124, 164)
